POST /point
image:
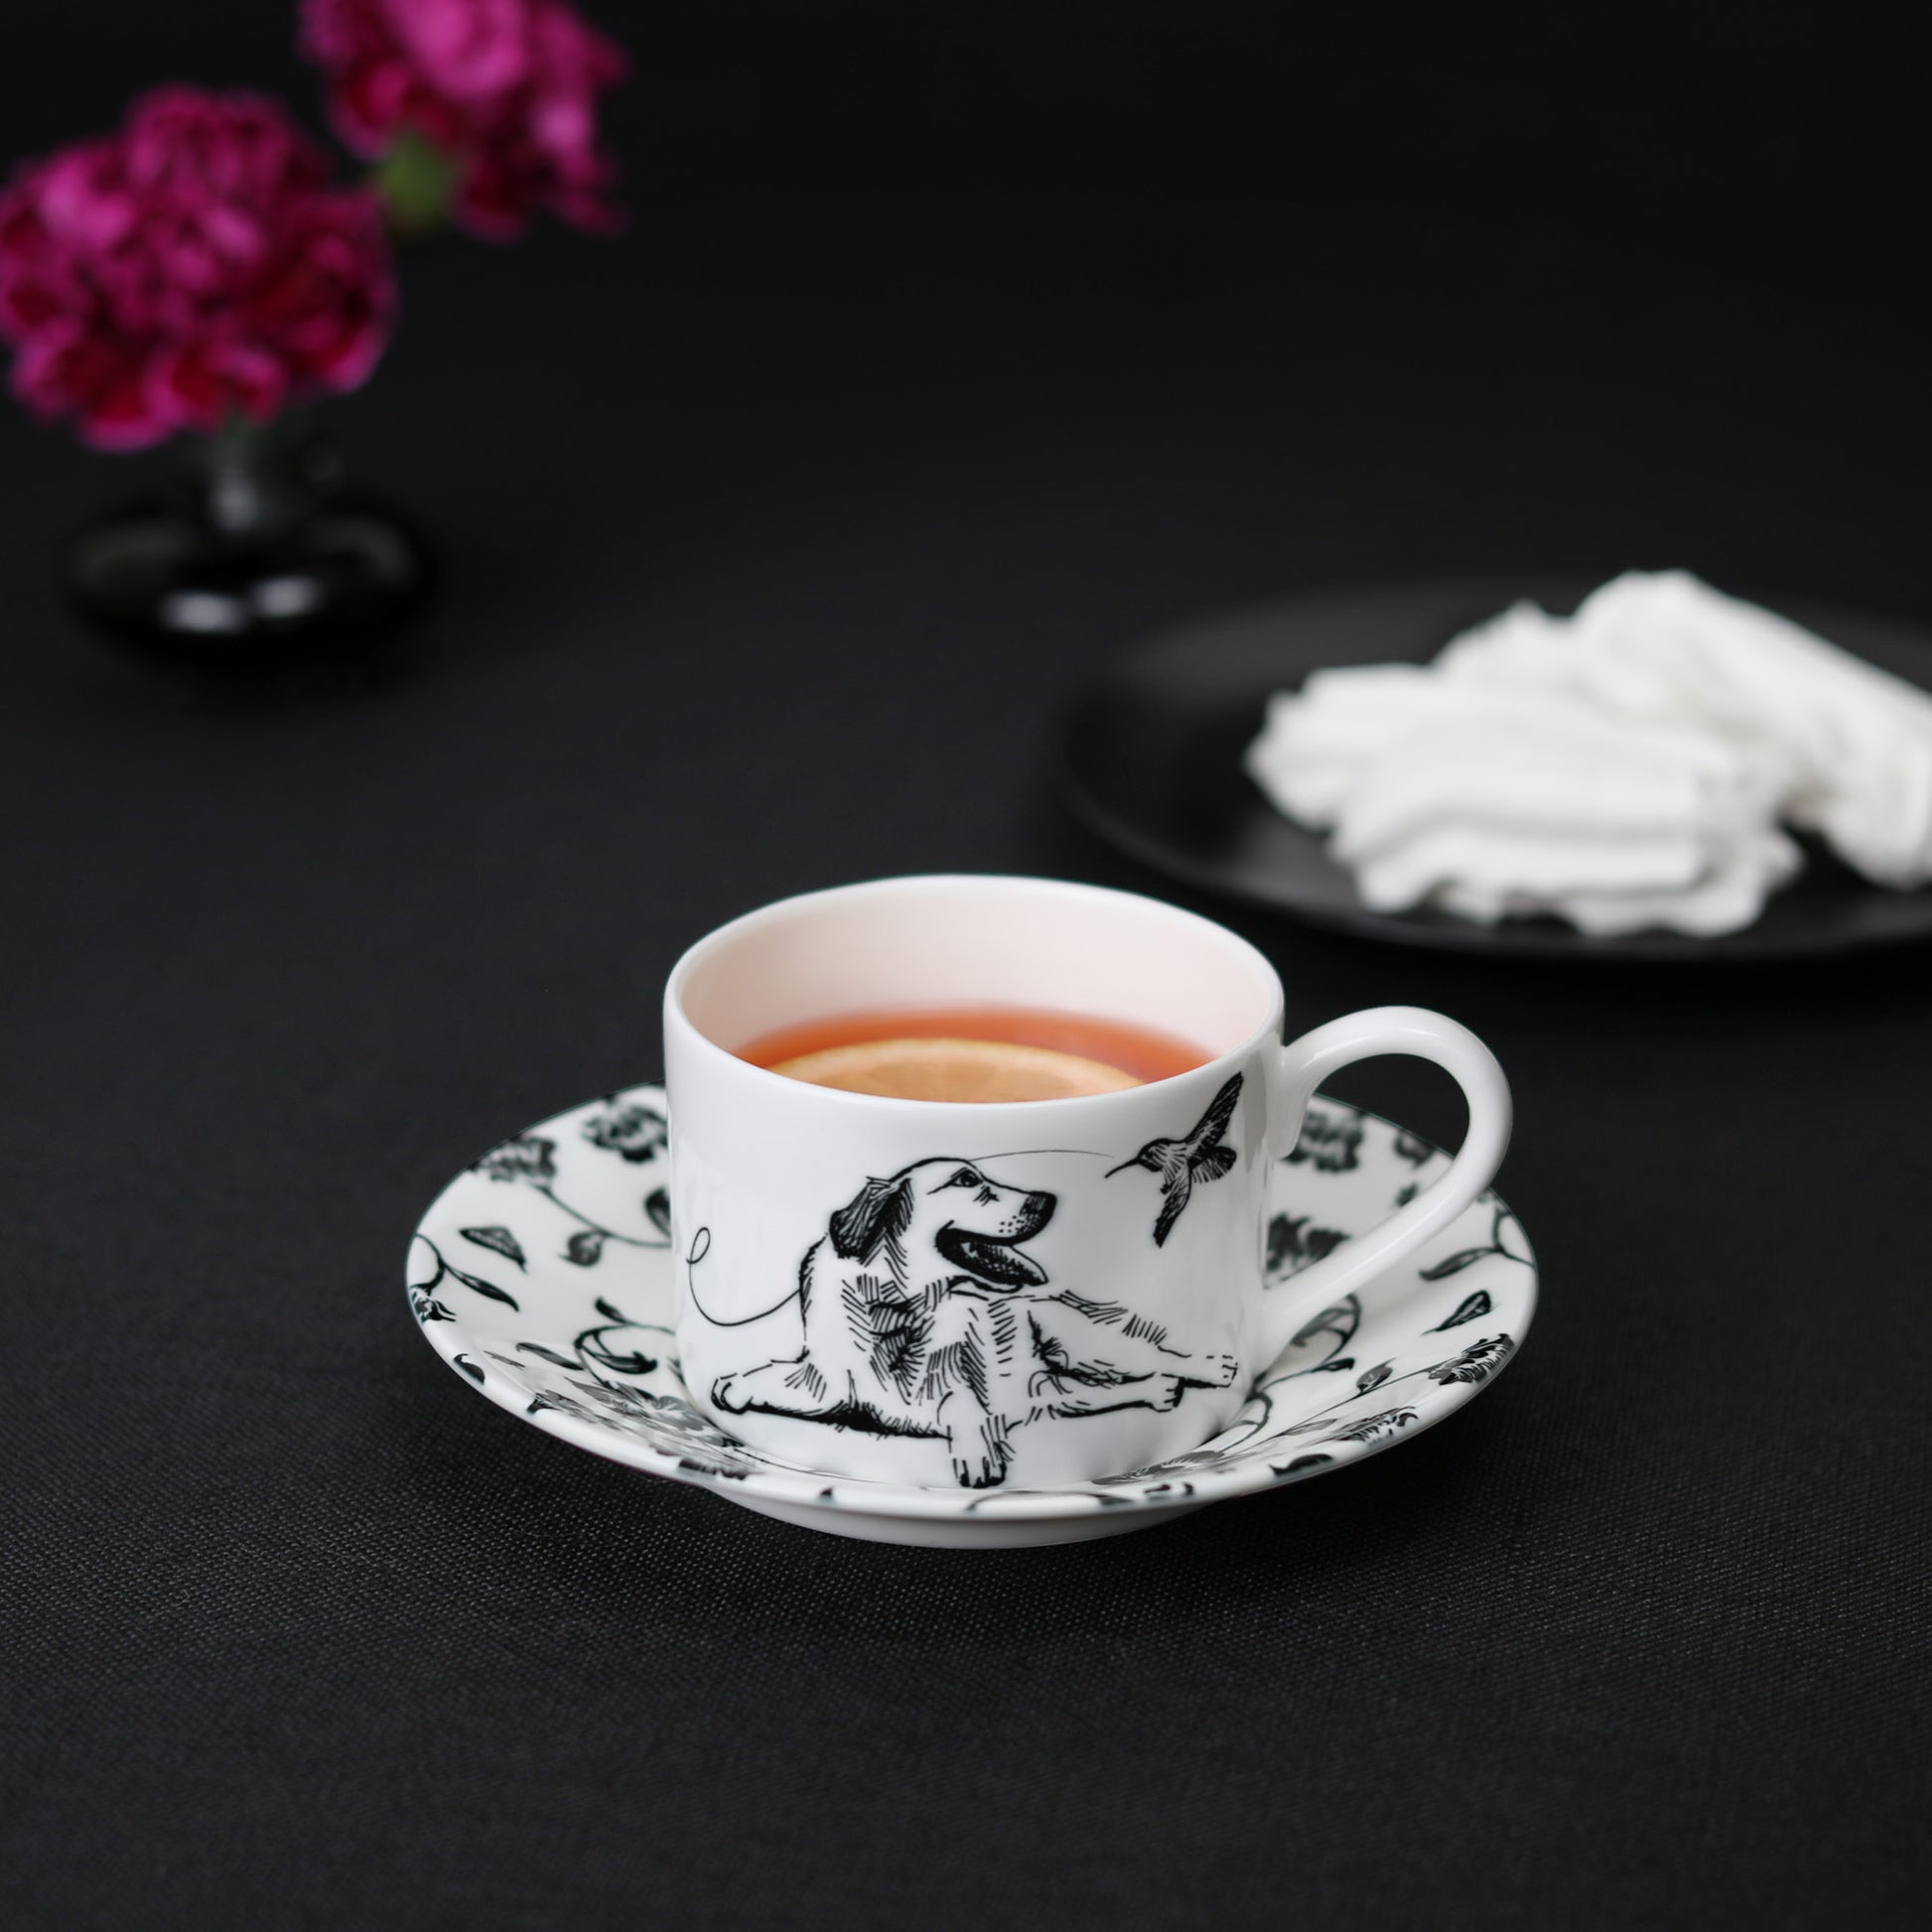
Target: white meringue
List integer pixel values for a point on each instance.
(1622, 768)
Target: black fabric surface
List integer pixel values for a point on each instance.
(775, 533)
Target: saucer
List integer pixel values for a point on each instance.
(1150, 760)
(547, 1278)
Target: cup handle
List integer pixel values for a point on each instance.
(1305, 1063)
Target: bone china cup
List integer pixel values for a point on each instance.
(1012, 1295)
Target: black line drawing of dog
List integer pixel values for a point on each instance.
(924, 1317)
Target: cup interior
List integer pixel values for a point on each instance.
(943, 941)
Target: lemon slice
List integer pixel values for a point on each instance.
(956, 1070)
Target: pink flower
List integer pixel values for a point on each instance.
(193, 266)
(506, 89)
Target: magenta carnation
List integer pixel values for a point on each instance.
(192, 266)
(504, 89)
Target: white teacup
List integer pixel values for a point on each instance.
(1021, 1295)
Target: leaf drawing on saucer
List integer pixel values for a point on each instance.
(501, 1240)
(1341, 1321)
(1454, 1264)
(1477, 1363)
(598, 1353)
(1319, 1346)
(1316, 1423)
(1467, 1310)
(1188, 1463)
(637, 1133)
(1500, 1229)
(593, 1351)
(527, 1158)
(477, 1284)
(665, 1424)
(421, 1293)
(1474, 1366)
(1330, 1137)
(1292, 1245)
(657, 1205)
(1375, 1428)
(532, 1160)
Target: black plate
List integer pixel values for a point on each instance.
(1150, 758)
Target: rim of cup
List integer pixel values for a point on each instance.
(704, 957)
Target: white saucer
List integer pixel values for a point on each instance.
(544, 1277)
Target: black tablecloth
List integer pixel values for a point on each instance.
(775, 533)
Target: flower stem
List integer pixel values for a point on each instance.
(596, 1227)
(415, 181)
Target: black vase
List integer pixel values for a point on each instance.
(258, 562)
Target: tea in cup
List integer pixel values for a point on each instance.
(969, 1175)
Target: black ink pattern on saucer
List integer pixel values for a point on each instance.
(1467, 1310)
(500, 1240)
(531, 1159)
(1357, 1378)
(1294, 1245)
(1497, 1244)
(636, 1132)
(1330, 1137)
(421, 1293)
(1477, 1362)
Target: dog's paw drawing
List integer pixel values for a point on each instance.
(1163, 1392)
(725, 1395)
(972, 1470)
(1220, 1370)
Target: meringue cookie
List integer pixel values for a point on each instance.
(1625, 767)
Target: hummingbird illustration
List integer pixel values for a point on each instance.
(1199, 1155)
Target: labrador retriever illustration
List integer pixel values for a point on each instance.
(924, 1316)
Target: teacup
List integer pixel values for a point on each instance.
(1027, 1294)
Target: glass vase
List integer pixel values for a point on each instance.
(258, 559)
